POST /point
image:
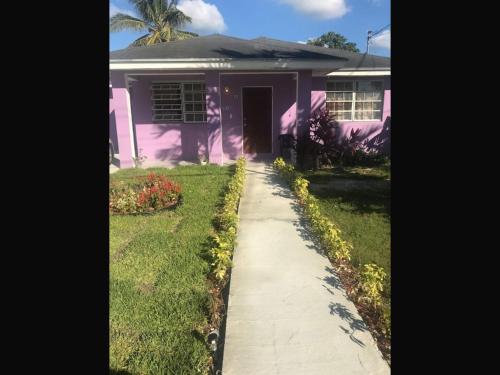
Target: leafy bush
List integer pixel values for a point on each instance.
(146, 194)
(323, 130)
(364, 158)
(226, 221)
(123, 199)
(327, 148)
(327, 231)
(372, 279)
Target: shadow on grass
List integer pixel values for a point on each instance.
(324, 176)
(358, 201)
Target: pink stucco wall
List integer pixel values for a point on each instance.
(168, 141)
(121, 119)
(283, 120)
(375, 132)
(221, 136)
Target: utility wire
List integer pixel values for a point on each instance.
(372, 34)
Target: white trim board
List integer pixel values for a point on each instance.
(360, 73)
(130, 123)
(217, 65)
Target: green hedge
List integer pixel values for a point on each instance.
(226, 219)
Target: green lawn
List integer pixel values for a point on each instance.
(159, 296)
(363, 214)
(382, 172)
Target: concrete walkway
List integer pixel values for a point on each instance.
(286, 312)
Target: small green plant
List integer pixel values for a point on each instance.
(139, 159)
(372, 283)
(202, 159)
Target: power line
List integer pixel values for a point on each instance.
(371, 34)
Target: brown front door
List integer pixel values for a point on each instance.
(257, 119)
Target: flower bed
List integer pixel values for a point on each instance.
(364, 286)
(145, 195)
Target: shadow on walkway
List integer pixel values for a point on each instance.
(332, 280)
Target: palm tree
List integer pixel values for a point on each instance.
(160, 18)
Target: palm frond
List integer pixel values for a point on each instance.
(183, 35)
(143, 8)
(142, 41)
(122, 21)
(176, 18)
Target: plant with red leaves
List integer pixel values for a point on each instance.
(324, 131)
(151, 193)
(158, 192)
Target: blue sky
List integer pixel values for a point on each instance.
(291, 20)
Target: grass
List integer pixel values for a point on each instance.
(363, 214)
(159, 300)
(322, 176)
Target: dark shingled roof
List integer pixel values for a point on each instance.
(225, 47)
(354, 60)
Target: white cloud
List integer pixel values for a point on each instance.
(206, 18)
(113, 9)
(383, 40)
(323, 9)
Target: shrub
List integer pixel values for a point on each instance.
(158, 192)
(123, 199)
(226, 221)
(366, 158)
(327, 148)
(372, 279)
(146, 194)
(327, 232)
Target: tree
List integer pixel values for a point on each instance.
(333, 40)
(160, 18)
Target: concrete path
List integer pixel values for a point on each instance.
(286, 311)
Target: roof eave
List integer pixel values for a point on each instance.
(218, 63)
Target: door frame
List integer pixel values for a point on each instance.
(272, 117)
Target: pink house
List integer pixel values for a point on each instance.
(222, 97)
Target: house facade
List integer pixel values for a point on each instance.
(222, 97)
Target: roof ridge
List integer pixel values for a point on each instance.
(318, 48)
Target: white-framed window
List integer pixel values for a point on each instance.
(354, 100)
(178, 102)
